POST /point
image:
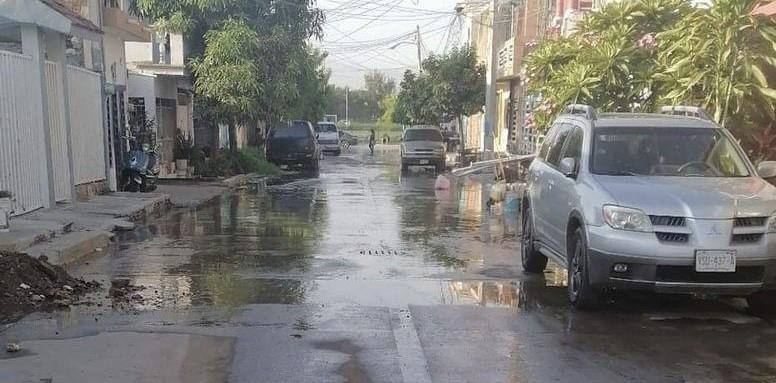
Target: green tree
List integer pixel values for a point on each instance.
(263, 44)
(449, 87)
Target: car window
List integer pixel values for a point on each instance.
(548, 141)
(666, 151)
(325, 128)
(553, 155)
(422, 135)
(573, 146)
(293, 131)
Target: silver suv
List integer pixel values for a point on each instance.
(423, 146)
(650, 201)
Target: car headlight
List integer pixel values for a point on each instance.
(772, 224)
(623, 218)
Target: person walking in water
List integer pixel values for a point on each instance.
(372, 140)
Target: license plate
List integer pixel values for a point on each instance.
(715, 261)
(424, 162)
(284, 166)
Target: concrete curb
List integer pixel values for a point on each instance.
(67, 233)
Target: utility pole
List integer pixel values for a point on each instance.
(347, 116)
(420, 57)
(490, 91)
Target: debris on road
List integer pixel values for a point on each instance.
(121, 290)
(28, 283)
(12, 347)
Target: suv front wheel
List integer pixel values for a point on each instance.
(581, 294)
(533, 260)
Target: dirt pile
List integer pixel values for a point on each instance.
(27, 283)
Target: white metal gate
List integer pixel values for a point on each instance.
(21, 127)
(88, 135)
(58, 125)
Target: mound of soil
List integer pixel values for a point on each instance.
(27, 284)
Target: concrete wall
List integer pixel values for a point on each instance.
(176, 50)
(141, 85)
(138, 52)
(115, 60)
(167, 87)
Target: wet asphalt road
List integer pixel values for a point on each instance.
(363, 275)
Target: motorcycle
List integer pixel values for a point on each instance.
(141, 170)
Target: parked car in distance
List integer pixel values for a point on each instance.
(650, 201)
(423, 146)
(349, 138)
(294, 145)
(328, 137)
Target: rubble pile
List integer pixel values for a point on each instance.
(27, 283)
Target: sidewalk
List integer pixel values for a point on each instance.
(67, 232)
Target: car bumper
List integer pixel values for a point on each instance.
(423, 160)
(670, 268)
(292, 159)
(679, 276)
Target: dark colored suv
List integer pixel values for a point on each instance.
(294, 145)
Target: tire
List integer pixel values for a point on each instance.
(581, 294)
(404, 167)
(762, 303)
(533, 261)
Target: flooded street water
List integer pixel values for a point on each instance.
(360, 275)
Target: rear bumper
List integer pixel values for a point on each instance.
(678, 276)
(292, 159)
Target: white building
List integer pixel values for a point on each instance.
(160, 90)
(52, 140)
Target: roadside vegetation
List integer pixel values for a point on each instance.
(643, 54)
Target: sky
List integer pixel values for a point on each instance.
(359, 35)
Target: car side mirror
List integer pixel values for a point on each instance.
(317, 135)
(568, 166)
(767, 169)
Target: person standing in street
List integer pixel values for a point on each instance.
(372, 140)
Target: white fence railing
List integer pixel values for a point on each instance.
(58, 124)
(21, 133)
(86, 125)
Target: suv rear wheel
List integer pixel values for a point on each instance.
(581, 294)
(533, 260)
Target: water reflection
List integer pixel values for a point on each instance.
(221, 254)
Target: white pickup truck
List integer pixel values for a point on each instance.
(328, 137)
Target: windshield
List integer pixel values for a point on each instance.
(293, 131)
(422, 135)
(325, 128)
(666, 152)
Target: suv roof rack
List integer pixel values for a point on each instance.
(581, 109)
(684, 110)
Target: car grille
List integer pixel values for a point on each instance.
(750, 221)
(424, 150)
(666, 220)
(673, 237)
(743, 274)
(327, 142)
(746, 238)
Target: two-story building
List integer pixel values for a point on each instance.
(160, 90)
